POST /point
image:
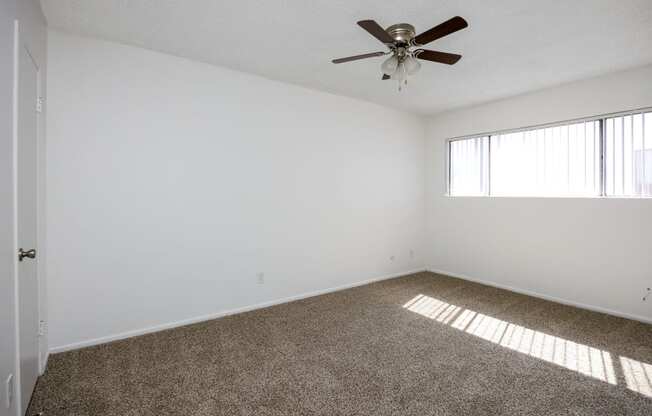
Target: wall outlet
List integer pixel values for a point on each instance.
(647, 293)
(260, 278)
(9, 391)
(392, 258)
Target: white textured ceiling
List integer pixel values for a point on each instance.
(510, 46)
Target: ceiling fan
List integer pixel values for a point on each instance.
(405, 47)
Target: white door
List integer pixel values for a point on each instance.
(28, 315)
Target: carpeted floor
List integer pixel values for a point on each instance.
(421, 345)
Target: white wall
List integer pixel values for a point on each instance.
(173, 183)
(33, 36)
(594, 252)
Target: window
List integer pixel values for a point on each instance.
(628, 155)
(610, 156)
(469, 173)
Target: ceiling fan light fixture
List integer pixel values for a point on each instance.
(399, 66)
(390, 65)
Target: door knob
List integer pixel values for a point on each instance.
(29, 253)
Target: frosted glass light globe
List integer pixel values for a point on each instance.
(412, 65)
(389, 66)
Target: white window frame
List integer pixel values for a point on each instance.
(602, 145)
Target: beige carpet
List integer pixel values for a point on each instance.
(418, 345)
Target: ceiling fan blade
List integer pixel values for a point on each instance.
(436, 56)
(376, 31)
(439, 31)
(356, 57)
(385, 76)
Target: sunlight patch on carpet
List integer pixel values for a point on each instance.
(574, 356)
(638, 375)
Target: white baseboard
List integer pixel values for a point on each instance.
(170, 325)
(545, 297)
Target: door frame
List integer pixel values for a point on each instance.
(19, 46)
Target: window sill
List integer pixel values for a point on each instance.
(547, 197)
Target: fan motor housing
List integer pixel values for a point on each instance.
(402, 33)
